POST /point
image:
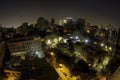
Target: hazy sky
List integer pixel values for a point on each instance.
(15, 12)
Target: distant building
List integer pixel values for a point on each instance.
(66, 20)
(1, 29)
(73, 23)
(119, 38)
(42, 23)
(52, 21)
(80, 24)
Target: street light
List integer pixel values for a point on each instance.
(110, 48)
(48, 42)
(86, 41)
(52, 54)
(65, 21)
(60, 65)
(102, 44)
(76, 37)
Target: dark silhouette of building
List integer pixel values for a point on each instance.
(52, 20)
(42, 23)
(38, 69)
(80, 23)
(118, 42)
(4, 56)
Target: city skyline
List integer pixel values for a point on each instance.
(80, 47)
(14, 13)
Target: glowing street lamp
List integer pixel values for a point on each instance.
(110, 48)
(48, 42)
(86, 41)
(52, 54)
(76, 37)
(65, 21)
(88, 31)
(102, 44)
(106, 47)
(71, 37)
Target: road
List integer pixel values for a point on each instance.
(61, 69)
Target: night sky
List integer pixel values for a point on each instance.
(100, 12)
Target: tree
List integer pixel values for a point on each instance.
(81, 68)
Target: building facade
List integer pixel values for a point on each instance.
(22, 47)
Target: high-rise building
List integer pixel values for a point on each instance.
(52, 20)
(80, 24)
(66, 20)
(42, 23)
(118, 40)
